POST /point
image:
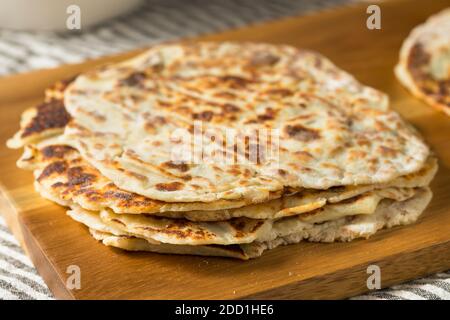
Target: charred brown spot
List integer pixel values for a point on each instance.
(172, 186)
(119, 195)
(156, 143)
(230, 108)
(268, 115)
(236, 82)
(163, 104)
(238, 224)
(225, 95)
(136, 175)
(92, 195)
(181, 166)
(118, 221)
(247, 173)
(264, 59)
(337, 189)
(438, 89)
(56, 151)
(178, 233)
(186, 177)
(150, 127)
(386, 151)
(58, 184)
(363, 142)
(97, 116)
(301, 133)
(279, 92)
(49, 115)
(418, 57)
(76, 176)
(54, 167)
(234, 170)
(180, 228)
(128, 200)
(203, 116)
(198, 234)
(134, 80)
(304, 155)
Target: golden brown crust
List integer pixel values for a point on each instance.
(61, 171)
(65, 177)
(49, 115)
(45, 120)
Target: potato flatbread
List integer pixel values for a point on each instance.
(63, 176)
(388, 214)
(238, 230)
(61, 171)
(424, 65)
(332, 130)
(131, 243)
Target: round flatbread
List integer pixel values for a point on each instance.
(387, 215)
(424, 65)
(62, 174)
(325, 128)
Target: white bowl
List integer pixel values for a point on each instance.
(51, 15)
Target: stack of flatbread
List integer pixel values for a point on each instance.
(115, 145)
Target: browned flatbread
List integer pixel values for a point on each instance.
(332, 130)
(424, 65)
(349, 165)
(388, 214)
(65, 177)
(48, 119)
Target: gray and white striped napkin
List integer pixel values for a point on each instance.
(155, 21)
(18, 277)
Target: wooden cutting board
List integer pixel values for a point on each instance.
(307, 270)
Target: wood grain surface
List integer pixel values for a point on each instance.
(306, 270)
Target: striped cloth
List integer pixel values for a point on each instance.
(154, 22)
(18, 277)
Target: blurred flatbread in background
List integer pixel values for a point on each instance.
(424, 65)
